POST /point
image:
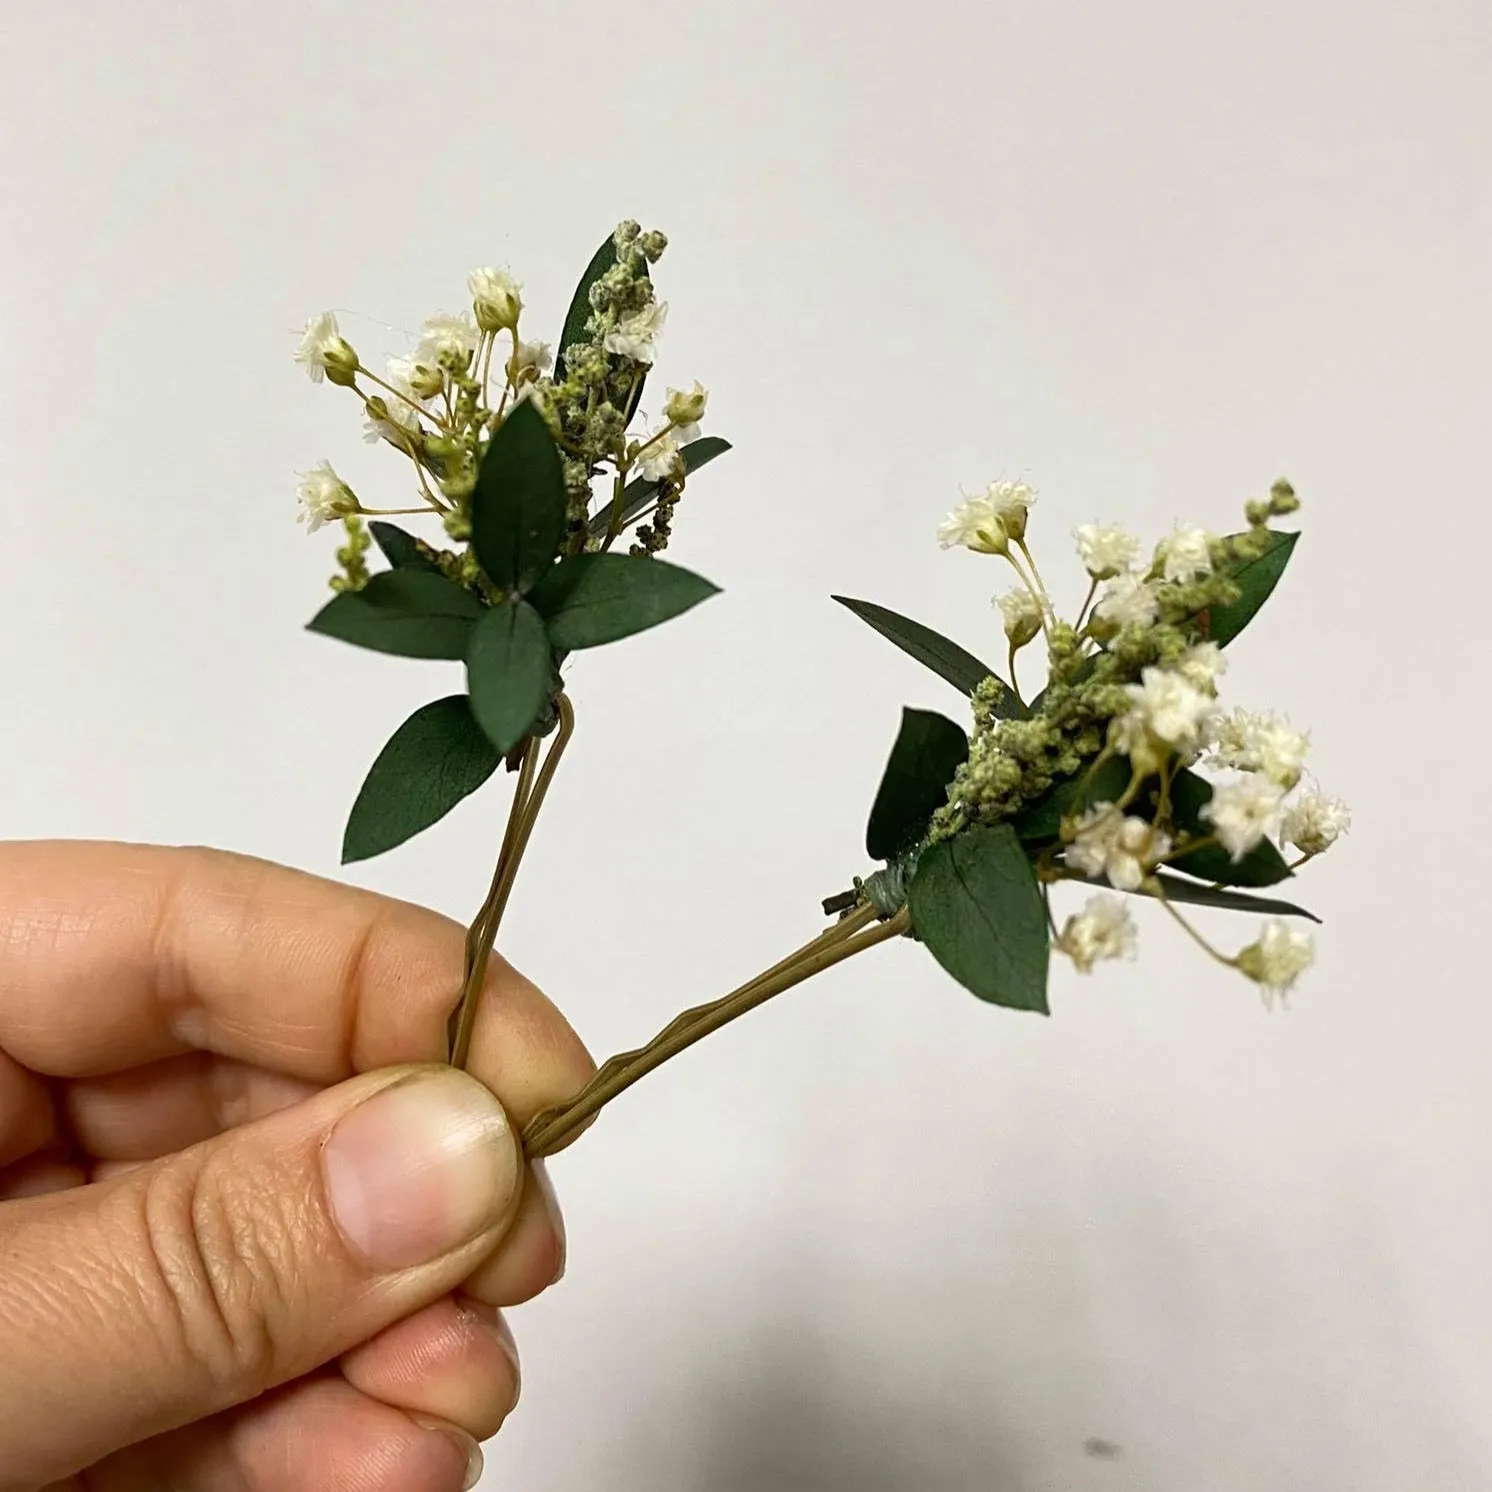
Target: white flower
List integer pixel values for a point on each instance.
(685, 408)
(399, 416)
(1261, 743)
(635, 335)
(1242, 813)
(1279, 957)
(531, 360)
(1186, 554)
(1313, 822)
(1011, 503)
(495, 298)
(1168, 708)
(447, 342)
(1105, 552)
(976, 525)
(324, 351)
(1022, 614)
(661, 460)
(1123, 849)
(1103, 929)
(1128, 601)
(1201, 664)
(324, 497)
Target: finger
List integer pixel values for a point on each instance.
(531, 1256)
(115, 955)
(454, 1361)
(39, 1176)
(27, 1119)
(198, 1282)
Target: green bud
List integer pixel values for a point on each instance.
(1282, 499)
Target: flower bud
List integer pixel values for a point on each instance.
(495, 299)
(652, 246)
(1282, 499)
(686, 406)
(425, 382)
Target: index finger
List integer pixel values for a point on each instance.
(115, 955)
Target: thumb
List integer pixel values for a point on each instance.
(196, 1282)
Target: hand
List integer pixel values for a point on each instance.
(237, 1199)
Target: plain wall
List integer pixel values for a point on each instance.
(1148, 256)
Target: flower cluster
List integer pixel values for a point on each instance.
(440, 402)
(1154, 787)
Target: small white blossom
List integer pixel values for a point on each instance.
(324, 351)
(531, 360)
(324, 497)
(447, 342)
(1011, 503)
(976, 525)
(661, 460)
(1125, 850)
(1313, 822)
(1022, 615)
(1279, 957)
(1169, 708)
(399, 416)
(1128, 601)
(1105, 552)
(1261, 743)
(1186, 554)
(495, 298)
(635, 335)
(1201, 664)
(1103, 929)
(685, 408)
(1243, 812)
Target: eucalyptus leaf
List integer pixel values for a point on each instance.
(402, 550)
(1194, 893)
(975, 902)
(518, 507)
(1257, 580)
(508, 670)
(407, 612)
(946, 659)
(590, 599)
(579, 314)
(639, 492)
(435, 759)
(1261, 866)
(929, 749)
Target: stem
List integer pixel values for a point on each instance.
(1087, 602)
(414, 404)
(548, 1131)
(1015, 687)
(1031, 560)
(1155, 889)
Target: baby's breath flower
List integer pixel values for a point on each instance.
(447, 342)
(1168, 708)
(1105, 552)
(1128, 601)
(661, 460)
(634, 337)
(531, 360)
(1313, 822)
(495, 298)
(325, 353)
(1125, 850)
(1243, 812)
(1279, 957)
(1186, 554)
(1022, 615)
(324, 497)
(391, 418)
(1201, 664)
(685, 408)
(1011, 503)
(976, 525)
(1261, 743)
(1103, 929)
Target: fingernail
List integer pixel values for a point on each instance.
(420, 1168)
(464, 1443)
(552, 1207)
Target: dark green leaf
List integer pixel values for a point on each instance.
(1257, 578)
(975, 903)
(580, 304)
(508, 668)
(1040, 821)
(929, 749)
(946, 659)
(637, 494)
(588, 599)
(1178, 888)
(1262, 866)
(408, 612)
(518, 508)
(400, 549)
(430, 764)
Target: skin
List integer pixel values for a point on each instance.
(156, 1005)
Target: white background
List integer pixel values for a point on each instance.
(1148, 256)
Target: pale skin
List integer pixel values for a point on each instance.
(180, 1032)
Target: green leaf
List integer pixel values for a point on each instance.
(1040, 821)
(975, 903)
(518, 507)
(407, 612)
(946, 659)
(1257, 579)
(508, 668)
(589, 599)
(1262, 866)
(437, 757)
(929, 749)
(400, 549)
(580, 305)
(637, 494)
(1178, 888)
